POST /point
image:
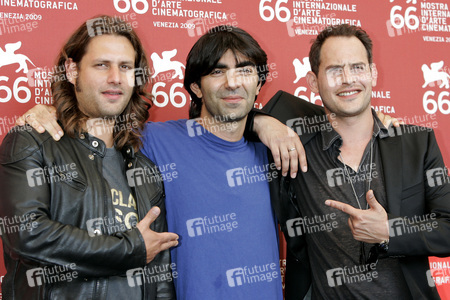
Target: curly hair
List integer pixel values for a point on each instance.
(129, 124)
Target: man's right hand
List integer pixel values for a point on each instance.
(155, 242)
(42, 118)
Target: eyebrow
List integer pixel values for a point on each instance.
(245, 63)
(239, 65)
(342, 66)
(102, 60)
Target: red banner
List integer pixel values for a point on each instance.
(411, 45)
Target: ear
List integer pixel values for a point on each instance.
(258, 88)
(374, 74)
(71, 71)
(196, 89)
(311, 79)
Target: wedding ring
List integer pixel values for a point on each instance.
(292, 149)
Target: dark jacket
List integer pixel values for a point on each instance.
(59, 211)
(406, 158)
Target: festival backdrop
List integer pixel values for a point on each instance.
(411, 52)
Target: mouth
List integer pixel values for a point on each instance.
(112, 94)
(348, 93)
(232, 99)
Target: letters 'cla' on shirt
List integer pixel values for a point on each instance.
(217, 199)
(125, 217)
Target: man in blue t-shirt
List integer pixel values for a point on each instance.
(217, 195)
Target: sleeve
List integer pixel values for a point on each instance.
(30, 233)
(427, 233)
(147, 140)
(284, 107)
(298, 269)
(165, 288)
(249, 134)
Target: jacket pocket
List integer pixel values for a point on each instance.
(73, 180)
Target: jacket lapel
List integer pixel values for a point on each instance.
(391, 157)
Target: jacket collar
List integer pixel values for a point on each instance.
(97, 146)
(94, 144)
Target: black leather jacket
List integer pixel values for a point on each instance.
(57, 211)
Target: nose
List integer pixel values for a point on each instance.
(232, 81)
(348, 76)
(114, 75)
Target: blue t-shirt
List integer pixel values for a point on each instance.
(218, 202)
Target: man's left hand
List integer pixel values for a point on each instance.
(387, 120)
(285, 145)
(367, 225)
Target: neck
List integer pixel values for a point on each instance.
(103, 129)
(228, 131)
(353, 130)
(356, 133)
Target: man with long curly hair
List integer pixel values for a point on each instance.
(75, 227)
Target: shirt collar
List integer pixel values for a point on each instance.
(330, 136)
